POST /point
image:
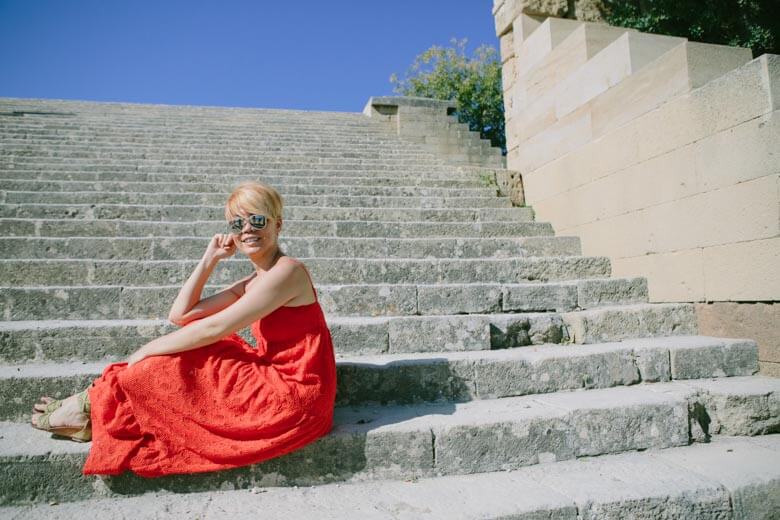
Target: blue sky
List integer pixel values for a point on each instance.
(301, 54)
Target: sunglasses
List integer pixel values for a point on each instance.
(237, 224)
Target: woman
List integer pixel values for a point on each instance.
(201, 398)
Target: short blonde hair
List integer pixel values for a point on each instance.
(254, 197)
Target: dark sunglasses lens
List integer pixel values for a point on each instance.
(236, 225)
(257, 221)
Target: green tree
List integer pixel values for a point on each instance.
(741, 23)
(474, 83)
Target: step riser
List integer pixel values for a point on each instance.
(375, 451)
(361, 455)
(446, 333)
(306, 135)
(393, 176)
(409, 169)
(659, 484)
(349, 300)
(291, 228)
(351, 336)
(616, 324)
(326, 131)
(37, 273)
(313, 247)
(97, 152)
(214, 199)
(150, 128)
(553, 369)
(186, 213)
(290, 190)
(277, 180)
(324, 165)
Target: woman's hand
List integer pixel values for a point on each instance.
(135, 357)
(221, 246)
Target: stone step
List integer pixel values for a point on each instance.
(278, 180)
(146, 110)
(456, 376)
(123, 137)
(217, 212)
(184, 138)
(151, 151)
(36, 273)
(192, 248)
(697, 481)
(157, 152)
(230, 161)
(212, 199)
(292, 228)
(348, 300)
(211, 187)
(209, 169)
(70, 110)
(352, 335)
(357, 127)
(425, 440)
(297, 142)
(54, 339)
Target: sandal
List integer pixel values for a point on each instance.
(83, 434)
(50, 406)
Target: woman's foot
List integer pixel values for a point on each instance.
(46, 404)
(69, 419)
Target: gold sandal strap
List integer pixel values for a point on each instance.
(84, 405)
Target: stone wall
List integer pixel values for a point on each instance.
(657, 152)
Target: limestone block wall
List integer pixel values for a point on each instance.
(429, 122)
(661, 153)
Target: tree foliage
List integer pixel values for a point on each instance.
(474, 83)
(741, 23)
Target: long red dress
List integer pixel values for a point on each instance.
(219, 406)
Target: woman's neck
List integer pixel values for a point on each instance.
(267, 261)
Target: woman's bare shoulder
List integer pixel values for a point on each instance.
(292, 267)
(289, 263)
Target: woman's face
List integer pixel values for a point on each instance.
(257, 242)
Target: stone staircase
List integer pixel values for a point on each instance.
(480, 356)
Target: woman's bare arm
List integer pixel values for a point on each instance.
(284, 282)
(188, 305)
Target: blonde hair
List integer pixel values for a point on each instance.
(254, 197)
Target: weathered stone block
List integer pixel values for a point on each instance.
(358, 336)
(509, 331)
(444, 333)
(456, 299)
(731, 358)
(543, 297)
(493, 445)
(595, 293)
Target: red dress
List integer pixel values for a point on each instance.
(219, 406)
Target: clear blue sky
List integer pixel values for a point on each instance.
(302, 54)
